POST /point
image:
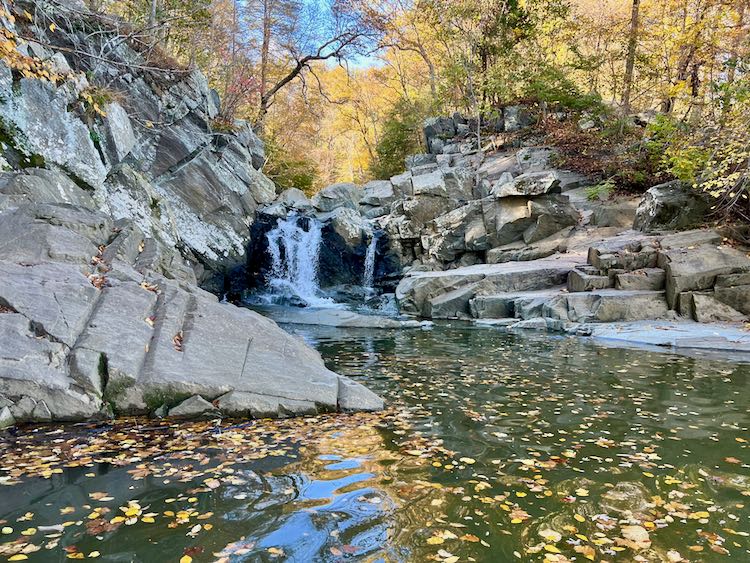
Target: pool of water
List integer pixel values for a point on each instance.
(495, 448)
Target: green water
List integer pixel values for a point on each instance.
(496, 448)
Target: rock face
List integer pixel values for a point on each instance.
(94, 316)
(152, 159)
(104, 242)
(670, 206)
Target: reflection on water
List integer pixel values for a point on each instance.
(495, 448)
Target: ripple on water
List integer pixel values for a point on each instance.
(493, 446)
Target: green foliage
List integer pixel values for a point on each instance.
(400, 137)
(685, 163)
(552, 86)
(289, 170)
(600, 191)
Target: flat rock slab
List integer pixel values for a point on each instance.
(333, 317)
(684, 335)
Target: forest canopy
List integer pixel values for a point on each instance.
(339, 88)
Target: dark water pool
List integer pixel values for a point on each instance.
(495, 448)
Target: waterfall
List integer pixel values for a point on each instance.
(294, 248)
(369, 277)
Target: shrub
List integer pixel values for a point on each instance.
(602, 190)
(401, 136)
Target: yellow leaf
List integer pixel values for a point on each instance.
(52, 27)
(186, 559)
(18, 557)
(579, 518)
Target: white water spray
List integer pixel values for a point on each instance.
(369, 276)
(295, 258)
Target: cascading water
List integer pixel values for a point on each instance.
(369, 276)
(294, 248)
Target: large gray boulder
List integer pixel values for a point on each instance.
(529, 184)
(337, 195)
(696, 269)
(671, 206)
(378, 193)
(295, 199)
(349, 225)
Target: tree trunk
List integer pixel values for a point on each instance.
(630, 61)
(265, 46)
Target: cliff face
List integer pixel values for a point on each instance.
(115, 202)
(137, 138)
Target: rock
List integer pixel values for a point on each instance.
(438, 127)
(520, 251)
(41, 413)
(626, 499)
(23, 409)
(424, 208)
(252, 143)
(697, 268)
(459, 183)
(38, 185)
(117, 137)
(504, 305)
(498, 166)
(432, 184)
(127, 194)
(38, 112)
(356, 397)
(708, 309)
(415, 291)
(337, 195)
(586, 124)
(402, 184)
(619, 212)
(194, 407)
(516, 117)
(349, 225)
(668, 207)
(414, 160)
(550, 214)
(295, 199)
(378, 193)
(6, 418)
(648, 279)
(687, 239)
(607, 305)
(529, 184)
(534, 159)
(736, 296)
(578, 281)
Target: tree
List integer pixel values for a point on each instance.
(630, 61)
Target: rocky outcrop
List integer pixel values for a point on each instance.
(96, 316)
(149, 154)
(103, 242)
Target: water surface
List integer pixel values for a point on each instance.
(495, 448)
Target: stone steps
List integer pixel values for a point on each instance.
(446, 294)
